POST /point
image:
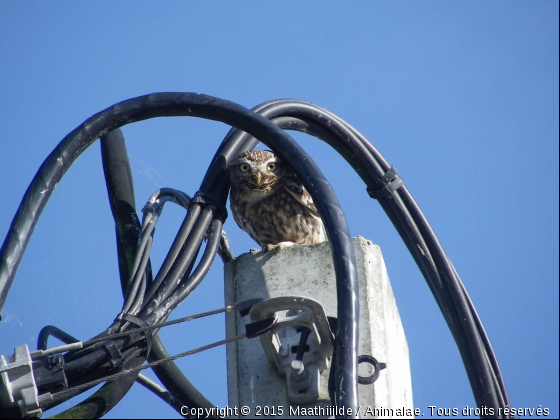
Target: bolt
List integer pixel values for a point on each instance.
(298, 371)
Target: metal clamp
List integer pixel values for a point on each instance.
(17, 383)
(292, 314)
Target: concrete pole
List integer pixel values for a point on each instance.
(307, 270)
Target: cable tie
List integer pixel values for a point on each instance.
(116, 355)
(142, 324)
(390, 182)
(214, 200)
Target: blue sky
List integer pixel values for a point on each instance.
(461, 97)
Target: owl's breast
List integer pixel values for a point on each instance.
(276, 217)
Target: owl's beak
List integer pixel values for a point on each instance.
(257, 177)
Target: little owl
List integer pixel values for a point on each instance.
(270, 203)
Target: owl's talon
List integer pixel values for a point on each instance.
(277, 247)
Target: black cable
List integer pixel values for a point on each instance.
(449, 292)
(187, 287)
(118, 177)
(168, 104)
(136, 369)
(120, 189)
(161, 392)
(169, 373)
(183, 261)
(174, 380)
(413, 227)
(124, 190)
(105, 398)
(42, 344)
(50, 330)
(175, 249)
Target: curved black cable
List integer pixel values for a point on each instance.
(476, 351)
(106, 398)
(124, 191)
(174, 380)
(121, 196)
(172, 104)
(186, 287)
(449, 292)
(176, 246)
(161, 392)
(120, 189)
(50, 330)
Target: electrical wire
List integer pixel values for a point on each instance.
(125, 372)
(68, 339)
(457, 308)
(169, 104)
(42, 344)
(153, 300)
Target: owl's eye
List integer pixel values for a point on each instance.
(271, 167)
(244, 167)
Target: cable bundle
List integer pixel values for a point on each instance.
(149, 301)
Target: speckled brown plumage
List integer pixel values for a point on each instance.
(270, 203)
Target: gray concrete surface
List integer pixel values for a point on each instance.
(307, 270)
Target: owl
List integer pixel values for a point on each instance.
(270, 203)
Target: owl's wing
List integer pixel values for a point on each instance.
(303, 197)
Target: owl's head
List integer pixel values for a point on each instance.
(257, 171)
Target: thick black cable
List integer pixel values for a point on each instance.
(461, 341)
(48, 331)
(118, 177)
(161, 392)
(169, 373)
(125, 190)
(187, 286)
(169, 104)
(402, 210)
(174, 380)
(304, 114)
(183, 262)
(176, 246)
(476, 335)
(120, 189)
(105, 399)
(118, 192)
(137, 369)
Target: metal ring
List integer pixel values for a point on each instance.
(368, 380)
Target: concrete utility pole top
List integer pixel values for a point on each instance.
(307, 271)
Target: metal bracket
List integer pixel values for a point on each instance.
(17, 383)
(280, 343)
